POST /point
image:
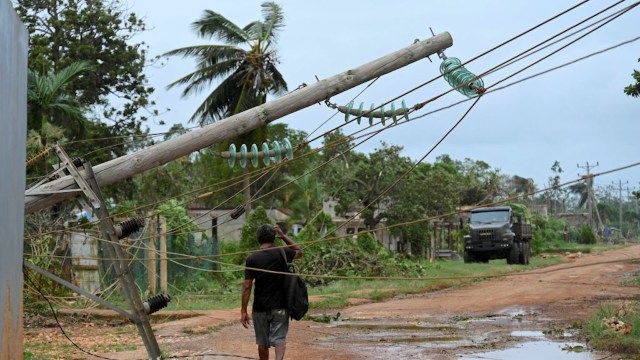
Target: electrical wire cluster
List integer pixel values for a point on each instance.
(455, 80)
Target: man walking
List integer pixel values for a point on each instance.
(269, 312)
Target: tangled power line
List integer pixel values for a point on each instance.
(259, 174)
(378, 131)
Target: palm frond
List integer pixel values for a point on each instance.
(212, 52)
(64, 77)
(216, 105)
(255, 29)
(198, 80)
(63, 110)
(212, 24)
(278, 85)
(273, 18)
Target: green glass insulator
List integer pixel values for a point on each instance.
(460, 78)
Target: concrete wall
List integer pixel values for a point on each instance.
(13, 122)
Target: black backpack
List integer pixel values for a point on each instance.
(296, 292)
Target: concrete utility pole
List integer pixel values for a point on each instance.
(620, 204)
(126, 166)
(590, 196)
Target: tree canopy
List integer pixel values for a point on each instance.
(634, 89)
(98, 114)
(245, 63)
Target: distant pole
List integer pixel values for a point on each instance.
(432, 255)
(589, 190)
(620, 205)
(157, 155)
(215, 244)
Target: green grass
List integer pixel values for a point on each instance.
(560, 246)
(604, 339)
(43, 350)
(633, 280)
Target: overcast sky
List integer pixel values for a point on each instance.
(574, 115)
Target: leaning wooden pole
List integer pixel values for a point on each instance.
(127, 166)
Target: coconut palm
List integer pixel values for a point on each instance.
(52, 109)
(51, 102)
(245, 65)
(247, 74)
(581, 190)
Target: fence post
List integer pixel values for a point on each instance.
(163, 254)
(151, 256)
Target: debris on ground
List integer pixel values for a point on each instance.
(617, 325)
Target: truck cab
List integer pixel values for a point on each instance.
(493, 234)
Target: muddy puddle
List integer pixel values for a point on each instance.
(509, 335)
(537, 346)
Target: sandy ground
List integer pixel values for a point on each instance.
(439, 325)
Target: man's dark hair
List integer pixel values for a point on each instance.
(265, 234)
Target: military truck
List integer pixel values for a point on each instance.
(495, 234)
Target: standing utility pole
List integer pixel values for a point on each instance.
(620, 204)
(590, 196)
(157, 155)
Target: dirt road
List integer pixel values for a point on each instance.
(439, 325)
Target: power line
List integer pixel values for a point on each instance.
(539, 60)
(565, 46)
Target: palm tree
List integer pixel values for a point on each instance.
(247, 74)
(582, 191)
(51, 102)
(52, 109)
(245, 65)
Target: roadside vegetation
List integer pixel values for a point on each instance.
(615, 328)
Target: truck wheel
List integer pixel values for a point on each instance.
(514, 254)
(522, 259)
(468, 258)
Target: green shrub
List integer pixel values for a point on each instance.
(586, 235)
(537, 244)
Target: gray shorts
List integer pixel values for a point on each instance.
(271, 327)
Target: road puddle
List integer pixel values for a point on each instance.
(535, 350)
(517, 334)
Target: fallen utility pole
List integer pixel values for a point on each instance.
(126, 166)
(114, 250)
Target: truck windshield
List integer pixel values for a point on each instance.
(488, 217)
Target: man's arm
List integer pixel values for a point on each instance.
(289, 242)
(246, 294)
